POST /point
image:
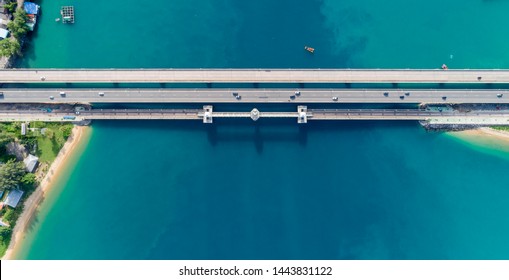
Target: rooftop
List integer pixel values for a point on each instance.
(13, 198)
(31, 163)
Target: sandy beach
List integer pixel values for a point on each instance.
(33, 202)
(487, 133)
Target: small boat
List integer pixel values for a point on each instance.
(309, 49)
(444, 67)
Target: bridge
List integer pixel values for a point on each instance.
(207, 96)
(303, 114)
(465, 76)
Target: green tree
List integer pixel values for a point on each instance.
(66, 131)
(11, 174)
(11, 6)
(5, 232)
(18, 26)
(9, 47)
(28, 179)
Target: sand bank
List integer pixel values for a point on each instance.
(33, 202)
(486, 133)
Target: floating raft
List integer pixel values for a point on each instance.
(67, 13)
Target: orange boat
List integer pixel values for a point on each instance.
(309, 49)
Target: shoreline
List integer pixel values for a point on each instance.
(486, 133)
(33, 202)
(494, 132)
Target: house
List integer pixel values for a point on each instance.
(31, 162)
(3, 33)
(13, 198)
(32, 11)
(23, 129)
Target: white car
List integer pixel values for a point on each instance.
(101, 93)
(51, 97)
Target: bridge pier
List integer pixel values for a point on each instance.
(303, 114)
(207, 114)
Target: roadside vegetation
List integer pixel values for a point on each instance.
(43, 140)
(503, 128)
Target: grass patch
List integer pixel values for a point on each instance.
(54, 138)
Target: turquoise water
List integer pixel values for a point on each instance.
(274, 190)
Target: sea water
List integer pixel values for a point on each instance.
(274, 189)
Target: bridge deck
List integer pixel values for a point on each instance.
(476, 117)
(205, 96)
(252, 76)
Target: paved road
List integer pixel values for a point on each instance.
(252, 76)
(204, 96)
(446, 117)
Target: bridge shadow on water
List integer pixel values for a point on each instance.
(259, 133)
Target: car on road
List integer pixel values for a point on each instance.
(386, 94)
(238, 97)
(101, 93)
(235, 94)
(500, 95)
(297, 93)
(444, 97)
(62, 93)
(401, 97)
(51, 97)
(1, 94)
(335, 98)
(292, 97)
(407, 93)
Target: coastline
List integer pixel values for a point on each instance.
(33, 202)
(485, 132)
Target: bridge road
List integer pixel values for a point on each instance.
(205, 96)
(498, 117)
(463, 76)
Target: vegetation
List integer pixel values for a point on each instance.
(5, 238)
(503, 128)
(9, 47)
(18, 26)
(10, 216)
(45, 141)
(11, 6)
(48, 145)
(11, 174)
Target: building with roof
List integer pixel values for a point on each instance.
(32, 11)
(31, 162)
(13, 198)
(4, 33)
